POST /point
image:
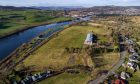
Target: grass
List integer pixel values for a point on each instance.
(135, 79)
(67, 78)
(108, 60)
(104, 63)
(14, 20)
(52, 53)
(2, 81)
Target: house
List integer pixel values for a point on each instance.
(118, 81)
(22, 82)
(33, 78)
(130, 42)
(132, 65)
(133, 58)
(39, 75)
(135, 54)
(126, 38)
(89, 39)
(124, 75)
(132, 50)
(36, 77)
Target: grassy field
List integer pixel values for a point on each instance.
(15, 20)
(53, 53)
(135, 79)
(80, 78)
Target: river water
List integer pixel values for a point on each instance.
(10, 43)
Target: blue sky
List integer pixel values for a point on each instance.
(85, 3)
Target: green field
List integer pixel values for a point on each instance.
(15, 20)
(52, 54)
(81, 78)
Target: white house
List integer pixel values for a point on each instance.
(132, 65)
(124, 75)
(132, 50)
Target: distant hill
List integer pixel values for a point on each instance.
(131, 10)
(15, 8)
(59, 7)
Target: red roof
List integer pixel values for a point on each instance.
(118, 81)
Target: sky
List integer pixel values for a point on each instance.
(84, 3)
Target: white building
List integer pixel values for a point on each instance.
(132, 65)
(89, 39)
(124, 75)
(132, 50)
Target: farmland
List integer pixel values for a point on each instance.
(12, 21)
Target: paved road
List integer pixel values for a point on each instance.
(116, 66)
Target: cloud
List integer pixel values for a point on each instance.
(125, 0)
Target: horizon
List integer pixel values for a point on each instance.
(75, 6)
(61, 3)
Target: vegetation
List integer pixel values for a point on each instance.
(81, 78)
(12, 21)
(54, 53)
(54, 50)
(58, 54)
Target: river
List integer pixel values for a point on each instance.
(10, 43)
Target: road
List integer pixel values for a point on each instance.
(115, 67)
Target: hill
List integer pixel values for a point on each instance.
(59, 8)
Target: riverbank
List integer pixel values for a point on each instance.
(56, 20)
(26, 47)
(15, 55)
